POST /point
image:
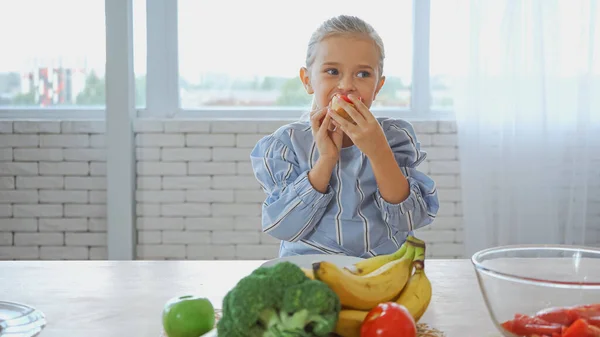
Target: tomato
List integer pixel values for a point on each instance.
(388, 319)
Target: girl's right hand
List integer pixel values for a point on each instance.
(329, 143)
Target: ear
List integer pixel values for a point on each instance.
(305, 78)
(379, 86)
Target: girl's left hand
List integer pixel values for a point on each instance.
(366, 133)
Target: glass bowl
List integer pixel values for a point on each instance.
(20, 320)
(549, 282)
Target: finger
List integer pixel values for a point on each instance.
(334, 126)
(341, 122)
(319, 112)
(356, 116)
(316, 117)
(314, 124)
(338, 130)
(326, 121)
(361, 107)
(338, 137)
(331, 126)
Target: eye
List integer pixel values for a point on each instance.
(364, 74)
(332, 71)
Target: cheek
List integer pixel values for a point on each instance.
(322, 93)
(367, 90)
(367, 96)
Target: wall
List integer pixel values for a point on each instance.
(196, 195)
(52, 190)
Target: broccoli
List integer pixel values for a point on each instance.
(279, 301)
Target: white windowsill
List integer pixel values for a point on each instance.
(250, 114)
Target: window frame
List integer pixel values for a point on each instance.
(162, 78)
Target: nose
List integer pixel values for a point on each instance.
(346, 83)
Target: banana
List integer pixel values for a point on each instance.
(349, 322)
(366, 291)
(415, 241)
(367, 266)
(308, 272)
(417, 293)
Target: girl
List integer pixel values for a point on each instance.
(335, 186)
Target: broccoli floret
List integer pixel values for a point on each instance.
(279, 301)
(280, 277)
(319, 309)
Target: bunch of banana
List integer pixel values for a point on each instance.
(385, 278)
(364, 292)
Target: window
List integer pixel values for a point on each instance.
(139, 51)
(214, 59)
(446, 16)
(54, 53)
(228, 58)
(47, 62)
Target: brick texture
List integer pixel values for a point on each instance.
(52, 190)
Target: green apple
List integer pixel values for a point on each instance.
(188, 316)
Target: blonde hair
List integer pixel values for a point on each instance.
(344, 25)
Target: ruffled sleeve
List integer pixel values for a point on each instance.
(292, 205)
(422, 204)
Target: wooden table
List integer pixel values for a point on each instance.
(125, 298)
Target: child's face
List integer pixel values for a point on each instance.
(345, 65)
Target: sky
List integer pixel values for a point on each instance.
(220, 36)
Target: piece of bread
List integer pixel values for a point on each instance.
(335, 106)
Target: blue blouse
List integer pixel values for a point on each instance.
(351, 217)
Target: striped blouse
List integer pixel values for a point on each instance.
(351, 217)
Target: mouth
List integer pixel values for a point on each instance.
(339, 95)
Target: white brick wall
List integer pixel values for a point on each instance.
(196, 195)
(52, 190)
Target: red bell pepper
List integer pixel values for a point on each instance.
(586, 311)
(563, 316)
(580, 328)
(524, 325)
(575, 321)
(595, 321)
